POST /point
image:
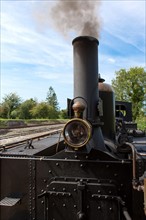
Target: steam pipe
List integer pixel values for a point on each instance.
(126, 214)
(133, 161)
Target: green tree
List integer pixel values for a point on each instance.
(52, 98)
(63, 114)
(53, 103)
(26, 107)
(130, 85)
(41, 110)
(10, 103)
(2, 111)
(53, 114)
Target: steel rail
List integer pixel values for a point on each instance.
(27, 130)
(23, 139)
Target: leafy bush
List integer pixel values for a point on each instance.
(141, 123)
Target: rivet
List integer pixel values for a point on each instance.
(99, 208)
(63, 189)
(57, 164)
(110, 209)
(50, 171)
(42, 202)
(75, 206)
(64, 205)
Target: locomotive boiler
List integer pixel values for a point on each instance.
(85, 173)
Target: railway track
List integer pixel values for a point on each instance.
(6, 133)
(21, 135)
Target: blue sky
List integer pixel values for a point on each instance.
(36, 56)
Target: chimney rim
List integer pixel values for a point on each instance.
(85, 38)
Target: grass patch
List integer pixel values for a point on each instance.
(5, 123)
(45, 121)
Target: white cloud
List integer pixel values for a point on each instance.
(33, 58)
(126, 21)
(111, 60)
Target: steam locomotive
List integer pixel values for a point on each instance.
(92, 170)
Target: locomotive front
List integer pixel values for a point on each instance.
(83, 175)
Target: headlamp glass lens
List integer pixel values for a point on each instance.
(77, 133)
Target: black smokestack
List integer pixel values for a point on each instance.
(86, 82)
(86, 72)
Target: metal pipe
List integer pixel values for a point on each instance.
(144, 190)
(126, 214)
(133, 160)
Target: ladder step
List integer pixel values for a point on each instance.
(7, 201)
